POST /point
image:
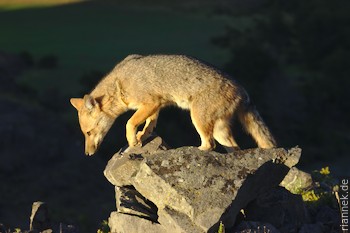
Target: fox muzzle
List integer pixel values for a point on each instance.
(92, 144)
(90, 148)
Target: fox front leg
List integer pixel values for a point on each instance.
(144, 113)
(150, 124)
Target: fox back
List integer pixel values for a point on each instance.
(177, 78)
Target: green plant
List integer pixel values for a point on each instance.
(104, 228)
(310, 196)
(323, 190)
(221, 228)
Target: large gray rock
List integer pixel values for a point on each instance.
(130, 201)
(194, 190)
(122, 223)
(207, 186)
(175, 221)
(123, 166)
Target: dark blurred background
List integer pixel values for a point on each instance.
(291, 56)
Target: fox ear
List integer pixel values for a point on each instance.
(77, 103)
(89, 102)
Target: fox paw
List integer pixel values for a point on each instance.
(135, 144)
(131, 146)
(139, 136)
(139, 144)
(206, 147)
(142, 136)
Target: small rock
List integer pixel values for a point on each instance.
(2, 228)
(296, 180)
(39, 219)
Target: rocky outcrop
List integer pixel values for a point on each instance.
(188, 190)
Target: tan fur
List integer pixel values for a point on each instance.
(148, 83)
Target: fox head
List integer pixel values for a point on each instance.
(94, 123)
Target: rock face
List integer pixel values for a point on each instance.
(130, 201)
(279, 207)
(188, 190)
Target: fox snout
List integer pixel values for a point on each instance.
(90, 150)
(91, 145)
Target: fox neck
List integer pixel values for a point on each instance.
(107, 94)
(112, 106)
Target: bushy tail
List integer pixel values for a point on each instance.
(254, 125)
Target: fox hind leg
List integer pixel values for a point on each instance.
(204, 128)
(223, 135)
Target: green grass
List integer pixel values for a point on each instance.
(94, 36)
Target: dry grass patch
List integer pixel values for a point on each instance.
(20, 4)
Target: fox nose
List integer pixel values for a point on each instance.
(89, 153)
(89, 149)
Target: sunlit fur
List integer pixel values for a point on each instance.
(148, 83)
(94, 123)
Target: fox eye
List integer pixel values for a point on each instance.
(88, 133)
